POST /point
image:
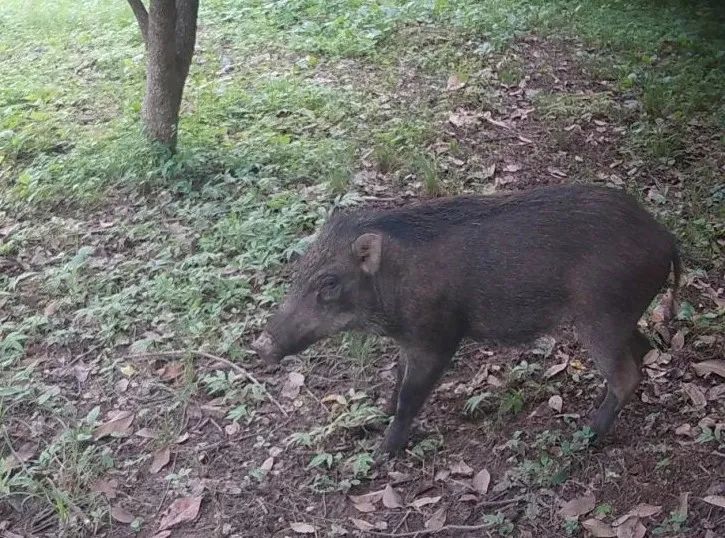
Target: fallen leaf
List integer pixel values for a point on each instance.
(267, 464)
(81, 371)
(505, 180)
(556, 172)
(107, 487)
(161, 458)
(337, 530)
(122, 515)
(553, 370)
(454, 83)
(663, 313)
(632, 528)
(599, 529)
(25, 452)
(716, 500)
(337, 398)
(489, 119)
(695, 394)
(511, 168)
(391, 499)
(541, 410)
(645, 510)
(122, 384)
(487, 172)
(463, 118)
(716, 392)
(364, 507)
(362, 524)
(232, 429)
(51, 308)
(366, 503)
(684, 501)
(461, 468)
(147, 433)
(436, 521)
(481, 481)
(424, 501)
(180, 511)
(162, 534)
(399, 478)
(303, 528)
(678, 341)
(714, 366)
(652, 357)
(372, 497)
(128, 370)
(171, 371)
(442, 475)
(292, 386)
(468, 497)
(494, 381)
(119, 425)
(555, 402)
(578, 506)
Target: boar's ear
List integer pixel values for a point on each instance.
(368, 250)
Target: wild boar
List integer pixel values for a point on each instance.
(505, 268)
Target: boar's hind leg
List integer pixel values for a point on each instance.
(422, 369)
(639, 345)
(620, 365)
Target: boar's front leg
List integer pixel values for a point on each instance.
(423, 367)
(392, 404)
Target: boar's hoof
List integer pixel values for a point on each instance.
(267, 349)
(394, 442)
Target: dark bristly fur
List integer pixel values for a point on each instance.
(505, 268)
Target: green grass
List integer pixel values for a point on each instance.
(116, 247)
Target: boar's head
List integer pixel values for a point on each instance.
(333, 290)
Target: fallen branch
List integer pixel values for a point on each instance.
(204, 354)
(423, 532)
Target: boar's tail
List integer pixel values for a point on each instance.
(676, 273)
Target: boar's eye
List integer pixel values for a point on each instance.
(329, 288)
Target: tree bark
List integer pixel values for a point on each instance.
(169, 30)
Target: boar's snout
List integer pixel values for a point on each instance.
(268, 349)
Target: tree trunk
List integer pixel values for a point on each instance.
(169, 31)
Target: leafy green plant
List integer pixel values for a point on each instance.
(426, 447)
(501, 525)
(473, 404)
(512, 402)
(674, 524)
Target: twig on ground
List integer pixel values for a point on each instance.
(423, 532)
(166, 491)
(402, 521)
(204, 354)
(502, 502)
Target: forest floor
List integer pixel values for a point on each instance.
(132, 282)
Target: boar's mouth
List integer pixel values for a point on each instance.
(271, 351)
(268, 349)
